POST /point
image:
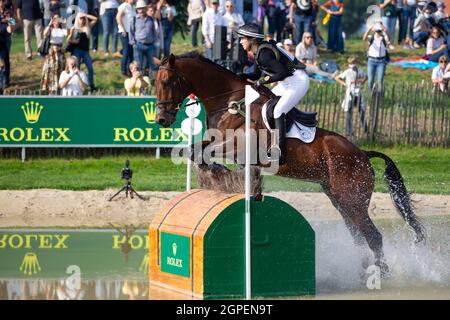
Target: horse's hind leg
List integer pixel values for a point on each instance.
(354, 208)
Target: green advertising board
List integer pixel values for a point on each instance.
(175, 254)
(91, 122)
(42, 254)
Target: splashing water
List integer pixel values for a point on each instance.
(339, 262)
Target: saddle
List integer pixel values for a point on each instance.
(308, 119)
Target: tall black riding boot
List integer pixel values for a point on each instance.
(280, 124)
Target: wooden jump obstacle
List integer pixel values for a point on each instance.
(197, 247)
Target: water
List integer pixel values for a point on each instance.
(108, 271)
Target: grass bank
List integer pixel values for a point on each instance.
(424, 171)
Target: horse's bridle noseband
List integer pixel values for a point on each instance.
(179, 80)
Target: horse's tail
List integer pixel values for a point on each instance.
(399, 195)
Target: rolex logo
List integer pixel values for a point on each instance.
(149, 110)
(174, 249)
(32, 111)
(30, 264)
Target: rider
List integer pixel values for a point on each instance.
(277, 65)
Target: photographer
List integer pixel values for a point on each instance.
(72, 80)
(54, 60)
(378, 56)
(138, 84)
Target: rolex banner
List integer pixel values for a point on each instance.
(50, 253)
(93, 121)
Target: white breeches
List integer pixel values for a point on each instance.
(292, 89)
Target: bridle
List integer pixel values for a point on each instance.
(178, 83)
(180, 80)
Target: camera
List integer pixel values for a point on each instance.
(127, 173)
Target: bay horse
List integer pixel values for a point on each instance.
(341, 168)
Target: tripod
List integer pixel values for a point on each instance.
(128, 188)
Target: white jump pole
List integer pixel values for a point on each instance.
(189, 161)
(250, 96)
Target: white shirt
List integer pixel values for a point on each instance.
(302, 53)
(377, 49)
(195, 9)
(350, 76)
(57, 36)
(232, 21)
(73, 87)
(438, 73)
(210, 19)
(110, 4)
(127, 17)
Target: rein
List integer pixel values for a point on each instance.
(233, 107)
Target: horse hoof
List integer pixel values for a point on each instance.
(384, 270)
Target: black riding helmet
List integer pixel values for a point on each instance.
(250, 30)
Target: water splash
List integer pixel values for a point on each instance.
(340, 262)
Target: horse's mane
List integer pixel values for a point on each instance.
(198, 56)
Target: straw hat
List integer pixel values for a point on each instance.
(141, 4)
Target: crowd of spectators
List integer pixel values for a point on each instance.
(68, 30)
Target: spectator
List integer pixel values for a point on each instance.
(248, 10)
(377, 54)
(409, 16)
(288, 45)
(353, 79)
(231, 20)
(335, 38)
(72, 80)
(317, 36)
(52, 7)
(196, 8)
(125, 16)
(166, 13)
(276, 18)
(441, 75)
(211, 18)
(29, 14)
(79, 40)
(143, 37)
(389, 17)
(302, 16)
(260, 13)
(138, 84)
(422, 28)
(400, 5)
(92, 8)
(55, 60)
(306, 52)
(440, 13)
(2, 76)
(7, 26)
(109, 25)
(436, 46)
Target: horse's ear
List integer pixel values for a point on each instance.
(171, 60)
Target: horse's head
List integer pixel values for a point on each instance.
(171, 89)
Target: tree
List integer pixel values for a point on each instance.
(355, 15)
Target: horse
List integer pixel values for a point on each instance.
(342, 169)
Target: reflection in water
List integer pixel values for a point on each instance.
(53, 289)
(417, 271)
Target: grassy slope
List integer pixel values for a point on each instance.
(424, 171)
(26, 74)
